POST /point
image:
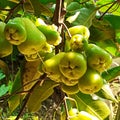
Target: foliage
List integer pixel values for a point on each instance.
(50, 42)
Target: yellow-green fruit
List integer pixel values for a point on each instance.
(51, 66)
(79, 29)
(77, 42)
(52, 36)
(83, 115)
(73, 65)
(15, 31)
(90, 82)
(35, 38)
(98, 58)
(5, 47)
(70, 89)
(69, 82)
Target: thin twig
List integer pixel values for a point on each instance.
(11, 11)
(107, 10)
(28, 95)
(66, 108)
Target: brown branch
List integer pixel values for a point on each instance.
(11, 11)
(58, 18)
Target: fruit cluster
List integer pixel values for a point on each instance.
(78, 67)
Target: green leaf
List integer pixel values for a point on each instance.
(40, 9)
(47, 1)
(101, 30)
(85, 16)
(106, 4)
(114, 20)
(73, 6)
(111, 73)
(15, 98)
(96, 107)
(109, 46)
(3, 89)
(106, 93)
(2, 75)
(39, 94)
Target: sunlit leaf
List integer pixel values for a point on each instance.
(111, 73)
(3, 89)
(96, 107)
(2, 75)
(106, 93)
(85, 17)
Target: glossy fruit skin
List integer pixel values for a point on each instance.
(77, 42)
(83, 115)
(98, 58)
(79, 29)
(52, 36)
(70, 89)
(51, 67)
(35, 40)
(73, 65)
(5, 47)
(15, 31)
(90, 82)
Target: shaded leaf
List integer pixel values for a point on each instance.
(114, 20)
(41, 9)
(39, 94)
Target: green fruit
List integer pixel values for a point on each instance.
(90, 82)
(83, 115)
(70, 89)
(15, 31)
(51, 67)
(77, 42)
(73, 65)
(98, 58)
(79, 29)
(5, 47)
(52, 36)
(35, 39)
(73, 114)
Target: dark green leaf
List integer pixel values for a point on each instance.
(114, 20)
